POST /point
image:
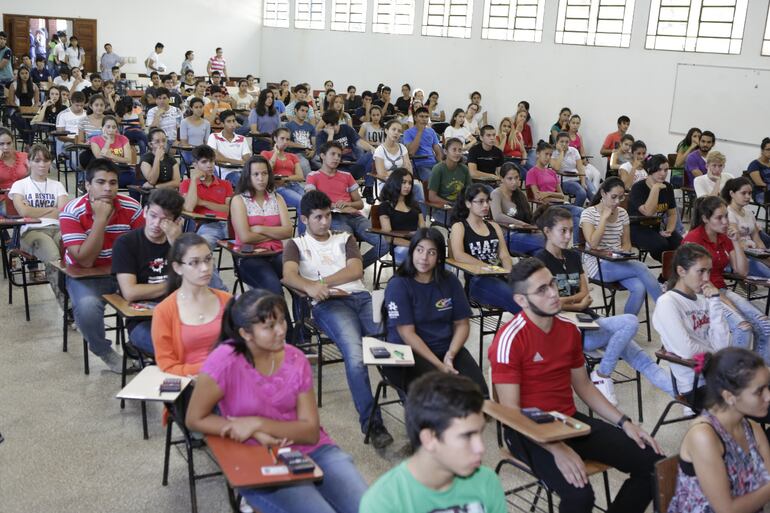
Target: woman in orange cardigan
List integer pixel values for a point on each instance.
(187, 323)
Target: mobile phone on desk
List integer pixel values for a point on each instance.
(171, 385)
(537, 415)
(584, 317)
(297, 462)
(210, 215)
(247, 248)
(379, 352)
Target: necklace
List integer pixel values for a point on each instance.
(184, 298)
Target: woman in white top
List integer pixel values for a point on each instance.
(481, 116)
(65, 78)
(566, 159)
(391, 155)
(372, 131)
(74, 54)
(737, 195)
(633, 170)
(472, 119)
(243, 100)
(435, 110)
(39, 196)
(605, 226)
(458, 130)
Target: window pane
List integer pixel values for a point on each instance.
(310, 14)
(522, 19)
(582, 21)
(276, 13)
(447, 18)
(393, 16)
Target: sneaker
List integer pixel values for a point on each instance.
(687, 411)
(114, 361)
(380, 437)
(605, 386)
(245, 508)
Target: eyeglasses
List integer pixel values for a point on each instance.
(543, 289)
(196, 262)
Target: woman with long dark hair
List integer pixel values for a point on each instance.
(256, 389)
(398, 209)
(510, 207)
(686, 146)
(423, 290)
(458, 129)
(737, 195)
(187, 323)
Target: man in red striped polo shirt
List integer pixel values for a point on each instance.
(90, 225)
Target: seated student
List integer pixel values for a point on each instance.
(208, 196)
(613, 140)
(187, 323)
(471, 119)
(616, 333)
(321, 263)
(40, 73)
(355, 150)
(561, 125)
(710, 228)
(423, 144)
(450, 177)
(230, 147)
(545, 186)
(435, 109)
(199, 92)
(714, 180)
(404, 102)
(111, 144)
(139, 259)
(484, 158)
(622, 153)
(383, 102)
(695, 164)
(264, 118)
(13, 164)
(91, 124)
(164, 116)
(654, 197)
(300, 95)
(458, 129)
(39, 196)
(216, 81)
(69, 120)
(724, 460)
(549, 383)
(362, 114)
(737, 195)
(428, 311)
(686, 146)
(398, 209)
(518, 140)
(286, 169)
(96, 87)
(566, 159)
(759, 170)
(372, 131)
(90, 225)
(50, 108)
(174, 98)
(64, 78)
(256, 389)
(633, 170)
(303, 135)
(605, 226)
(509, 207)
(260, 218)
(338, 106)
(444, 423)
(194, 129)
(391, 154)
(155, 84)
(342, 189)
(158, 167)
(476, 241)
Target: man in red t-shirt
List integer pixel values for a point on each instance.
(612, 141)
(537, 361)
(90, 225)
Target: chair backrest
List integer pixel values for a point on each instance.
(668, 260)
(10, 208)
(374, 214)
(665, 482)
(671, 160)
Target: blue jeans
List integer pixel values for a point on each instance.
(574, 188)
(345, 320)
(636, 277)
(361, 166)
(213, 232)
(292, 194)
(758, 268)
(400, 252)
(424, 171)
(88, 309)
(523, 242)
(576, 211)
(493, 291)
(263, 272)
(616, 336)
(760, 325)
(340, 490)
(141, 337)
(357, 225)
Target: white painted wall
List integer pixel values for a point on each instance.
(598, 83)
(133, 29)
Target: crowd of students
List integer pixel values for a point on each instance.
(254, 387)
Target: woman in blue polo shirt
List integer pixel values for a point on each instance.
(423, 289)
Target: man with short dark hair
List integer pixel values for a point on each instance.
(300, 95)
(612, 141)
(444, 423)
(6, 63)
(362, 113)
(121, 84)
(303, 136)
(174, 99)
(423, 142)
(96, 86)
(695, 164)
(164, 116)
(485, 158)
(537, 362)
(356, 151)
(326, 266)
(153, 62)
(40, 73)
(109, 60)
(90, 226)
(384, 102)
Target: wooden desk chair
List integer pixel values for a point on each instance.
(677, 173)
(374, 217)
(759, 186)
(440, 128)
(685, 399)
(24, 274)
(666, 471)
(524, 465)
(175, 415)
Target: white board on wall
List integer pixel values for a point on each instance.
(734, 103)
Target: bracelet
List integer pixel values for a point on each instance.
(622, 421)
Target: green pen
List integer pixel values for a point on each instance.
(320, 278)
(399, 354)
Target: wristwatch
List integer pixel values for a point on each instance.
(622, 421)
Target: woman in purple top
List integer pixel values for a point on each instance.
(264, 390)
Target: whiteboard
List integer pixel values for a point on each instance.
(734, 103)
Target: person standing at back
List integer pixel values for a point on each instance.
(218, 63)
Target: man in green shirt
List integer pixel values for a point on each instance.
(444, 423)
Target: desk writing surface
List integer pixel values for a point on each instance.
(540, 433)
(6, 222)
(572, 317)
(242, 465)
(235, 248)
(146, 386)
(478, 269)
(401, 234)
(369, 359)
(124, 308)
(203, 217)
(74, 271)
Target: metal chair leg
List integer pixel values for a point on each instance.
(167, 450)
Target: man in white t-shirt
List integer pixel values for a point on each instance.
(164, 116)
(69, 120)
(153, 63)
(715, 178)
(60, 50)
(232, 149)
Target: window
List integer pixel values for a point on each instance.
(276, 13)
(393, 16)
(310, 14)
(349, 15)
(513, 20)
(595, 22)
(714, 26)
(766, 42)
(447, 18)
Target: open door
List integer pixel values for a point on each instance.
(17, 29)
(85, 30)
